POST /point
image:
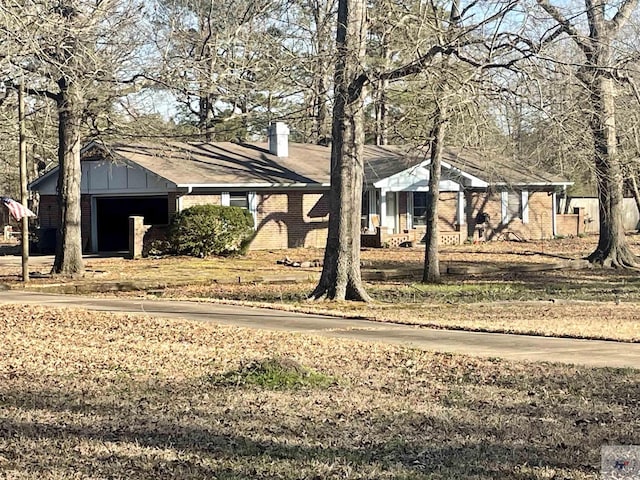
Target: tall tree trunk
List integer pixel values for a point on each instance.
(341, 279)
(431, 273)
(605, 23)
(68, 259)
(613, 249)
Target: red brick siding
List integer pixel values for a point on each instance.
(291, 219)
(402, 211)
(540, 225)
(49, 216)
(284, 219)
(447, 212)
(48, 212)
(173, 204)
(191, 200)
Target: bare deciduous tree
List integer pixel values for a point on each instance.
(599, 73)
(70, 52)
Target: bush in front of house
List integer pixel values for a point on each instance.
(204, 230)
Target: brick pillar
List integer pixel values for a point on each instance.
(136, 236)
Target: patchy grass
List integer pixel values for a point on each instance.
(510, 297)
(273, 373)
(97, 395)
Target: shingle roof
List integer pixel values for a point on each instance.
(496, 169)
(227, 163)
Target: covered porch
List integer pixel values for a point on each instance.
(394, 209)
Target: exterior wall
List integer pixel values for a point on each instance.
(572, 223)
(48, 212)
(112, 178)
(630, 214)
(447, 212)
(191, 200)
(291, 219)
(49, 218)
(172, 198)
(85, 223)
(539, 226)
(402, 211)
(284, 219)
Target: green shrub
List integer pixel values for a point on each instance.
(204, 230)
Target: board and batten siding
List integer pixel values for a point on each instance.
(107, 178)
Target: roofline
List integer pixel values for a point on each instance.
(42, 178)
(252, 185)
(92, 143)
(535, 184)
(480, 183)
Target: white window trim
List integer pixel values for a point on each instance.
(504, 206)
(554, 212)
(524, 205)
(252, 200)
(225, 199)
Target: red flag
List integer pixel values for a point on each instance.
(17, 210)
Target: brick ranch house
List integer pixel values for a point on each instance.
(285, 187)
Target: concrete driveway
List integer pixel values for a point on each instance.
(512, 347)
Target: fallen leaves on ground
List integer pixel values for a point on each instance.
(99, 395)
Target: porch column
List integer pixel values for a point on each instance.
(373, 209)
(554, 220)
(383, 208)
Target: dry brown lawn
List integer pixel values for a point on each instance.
(514, 291)
(96, 395)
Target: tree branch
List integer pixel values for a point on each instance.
(565, 25)
(622, 16)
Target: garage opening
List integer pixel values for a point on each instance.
(112, 215)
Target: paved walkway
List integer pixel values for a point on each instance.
(512, 347)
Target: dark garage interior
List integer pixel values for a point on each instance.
(113, 218)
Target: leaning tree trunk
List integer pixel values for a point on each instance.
(68, 259)
(431, 273)
(341, 279)
(613, 249)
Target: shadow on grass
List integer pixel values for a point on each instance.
(165, 430)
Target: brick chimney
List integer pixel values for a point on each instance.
(279, 139)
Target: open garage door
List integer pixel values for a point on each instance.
(112, 216)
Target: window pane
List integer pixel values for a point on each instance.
(513, 205)
(238, 199)
(420, 202)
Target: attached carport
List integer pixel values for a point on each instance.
(112, 214)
